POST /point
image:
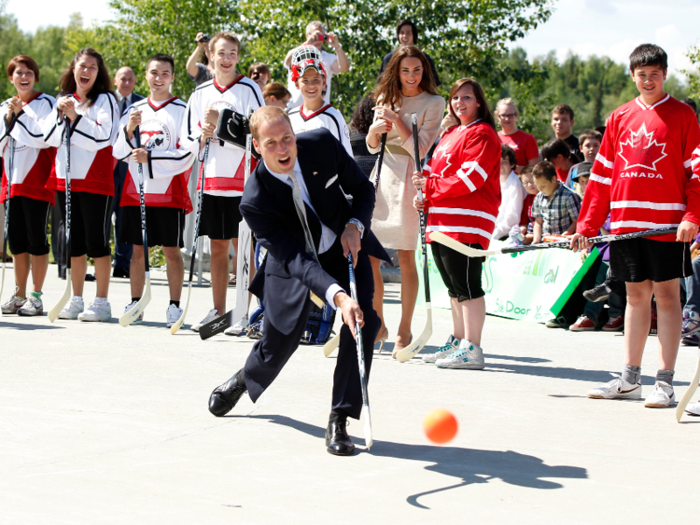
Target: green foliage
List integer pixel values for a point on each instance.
(693, 76)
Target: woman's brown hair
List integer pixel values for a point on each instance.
(483, 112)
(275, 89)
(388, 89)
(27, 61)
(103, 82)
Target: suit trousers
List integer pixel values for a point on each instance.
(271, 353)
(122, 250)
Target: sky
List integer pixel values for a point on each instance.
(587, 27)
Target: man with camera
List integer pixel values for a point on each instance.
(200, 72)
(334, 63)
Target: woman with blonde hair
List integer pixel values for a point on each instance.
(407, 86)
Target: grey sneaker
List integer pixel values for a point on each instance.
(13, 305)
(213, 314)
(450, 346)
(597, 294)
(129, 306)
(691, 324)
(97, 312)
(557, 322)
(31, 307)
(468, 356)
(73, 309)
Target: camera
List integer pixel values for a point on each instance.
(323, 38)
(204, 39)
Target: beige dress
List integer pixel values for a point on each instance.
(395, 221)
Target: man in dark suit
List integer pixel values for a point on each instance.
(124, 81)
(311, 168)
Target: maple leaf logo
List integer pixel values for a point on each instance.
(641, 150)
(442, 150)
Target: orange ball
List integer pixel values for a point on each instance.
(440, 426)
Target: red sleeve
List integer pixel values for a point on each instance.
(481, 155)
(596, 200)
(691, 162)
(531, 149)
(527, 205)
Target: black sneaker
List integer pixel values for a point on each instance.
(597, 294)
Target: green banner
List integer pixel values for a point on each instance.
(530, 286)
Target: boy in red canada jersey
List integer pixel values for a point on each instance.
(642, 177)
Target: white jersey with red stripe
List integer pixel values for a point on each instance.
(463, 187)
(33, 157)
(642, 174)
(92, 136)
(328, 118)
(169, 164)
(224, 169)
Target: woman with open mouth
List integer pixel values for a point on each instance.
(86, 99)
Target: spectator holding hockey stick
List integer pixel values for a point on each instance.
(406, 87)
(30, 159)
(461, 185)
(87, 100)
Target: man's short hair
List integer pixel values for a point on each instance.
(648, 55)
(554, 148)
(508, 154)
(275, 89)
(545, 169)
(27, 61)
(526, 171)
(414, 29)
(162, 57)
(563, 109)
(590, 134)
(260, 67)
(266, 114)
(225, 35)
(315, 23)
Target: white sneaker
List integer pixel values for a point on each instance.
(31, 307)
(172, 314)
(618, 388)
(693, 409)
(129, 306)
(98, 311)
(73, 309)
(450, 346)
(13, 305)
(238, 329)
(468, 355)
(213, 314)
(662, 396)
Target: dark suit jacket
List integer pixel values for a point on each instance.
(122, 167)
(289, 272)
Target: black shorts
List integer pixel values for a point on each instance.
(639, 260)
(220, 217)
(461, 274)
(90, 221)
(29, 219)
(164, 226)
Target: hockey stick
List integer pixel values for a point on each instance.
(380, 161)
(178, 324)
(361, 359)
(475, 252)
(688, 393)
(10, 162)
(331, 345)
(53, 313)
(417, 345)
(133, 314)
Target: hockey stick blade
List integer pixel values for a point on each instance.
(459, 247)
(2, 279)
(331, 345)
(367, 431)
(53, 313)
(688, 393)
(178, 324)
(416, 346)
(216, 326)
(133, 314)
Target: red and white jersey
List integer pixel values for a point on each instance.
(33, 158)
(224, 169)
(642, 174)
(92, 136)
(463, 188)
(328, 118)
(169, 164)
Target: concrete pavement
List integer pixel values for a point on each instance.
(104, 424)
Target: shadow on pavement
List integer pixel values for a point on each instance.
(31, 326)
(469, 466)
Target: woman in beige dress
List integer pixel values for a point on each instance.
(407, 86)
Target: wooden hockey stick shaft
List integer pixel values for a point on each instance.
(10, 168)
(683, 403)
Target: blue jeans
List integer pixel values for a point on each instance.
(617, 303)
(692, 290)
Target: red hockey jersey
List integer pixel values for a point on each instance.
(33, 158)
(463, 188)
(169, 165)
(642, 175)
(92, 135)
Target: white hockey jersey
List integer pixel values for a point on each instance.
(169, 164)
(327, 117)
(92, 135)
(224, 169)
(33, 157)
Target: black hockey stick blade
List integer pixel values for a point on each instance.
(216, 326)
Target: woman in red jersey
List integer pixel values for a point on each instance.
(462, 195)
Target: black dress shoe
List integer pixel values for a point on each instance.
(224, 397)
(120, 272)
(89, 277)
(338, 442)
